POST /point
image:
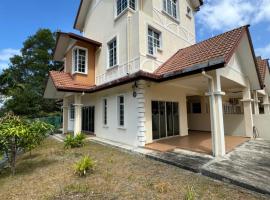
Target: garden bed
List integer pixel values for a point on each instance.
(49, 174)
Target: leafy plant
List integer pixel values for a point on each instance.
(85, 165)
(190, 194)
(74, 141)
(17, 134)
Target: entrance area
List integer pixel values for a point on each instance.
(165, 119)
(88, 119)
(196, 141)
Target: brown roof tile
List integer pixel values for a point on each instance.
(221, 46)
(262, 66)
(64, 81)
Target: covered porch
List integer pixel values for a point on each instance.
(196, 141)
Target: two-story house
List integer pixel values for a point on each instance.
(136, 73)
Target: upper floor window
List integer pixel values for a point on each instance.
(170, 7)
(80, 60)
(189, 12)
(122, 5)
(154, 41)
(112, 50)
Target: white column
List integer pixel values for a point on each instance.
(216, 112)
(78, 114)
(266, 104)
(183, 121)
(65, 115)
(248, 117)
(140, 96)
(256, 103)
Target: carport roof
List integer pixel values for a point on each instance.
(220, 46)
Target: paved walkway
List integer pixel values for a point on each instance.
(247, 166)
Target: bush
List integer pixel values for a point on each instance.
(17, 135)
(85, 165)
(190, 194)
(74, 142)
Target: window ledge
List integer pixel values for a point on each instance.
(151, 56)
(82, 73)
(176, 20)
(112, 67)
(122, 127)
(123, 13)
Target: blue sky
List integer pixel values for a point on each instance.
(21, 18)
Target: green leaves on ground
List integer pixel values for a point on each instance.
(18, 134)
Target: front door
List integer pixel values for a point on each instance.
(165, 119)
(88, 119)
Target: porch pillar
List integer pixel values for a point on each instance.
(78, 114)
(140, 96)
(216, 112)
(256, 103)
(65, 115)
(266, 104)
(183, 121)
(248, 117)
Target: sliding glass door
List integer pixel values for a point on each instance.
(165, 119)
(88, 119)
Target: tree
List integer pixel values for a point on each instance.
(17, 135)
(25, 79)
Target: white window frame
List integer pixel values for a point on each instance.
(155, 49)
(166, 11)
(118, 111)
(108, 53)
(189, 12)
(125, 9)
(105, 112)
(73, 60)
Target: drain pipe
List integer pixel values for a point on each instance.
(212, 108)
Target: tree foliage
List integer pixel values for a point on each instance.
(25, 79)
(18, 134)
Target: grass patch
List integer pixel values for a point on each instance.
(117, 175)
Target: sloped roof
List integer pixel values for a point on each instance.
(262, 66)
(219, 47)
(64, 81)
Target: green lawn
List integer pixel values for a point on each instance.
(49, 174)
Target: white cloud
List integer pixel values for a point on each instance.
(5, 55)
(264, 51)
(227, 14)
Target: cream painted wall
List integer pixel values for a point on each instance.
(126, 135)
(161, 92)
(261, 122)
(131, 32)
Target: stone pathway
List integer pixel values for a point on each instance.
(247, 166)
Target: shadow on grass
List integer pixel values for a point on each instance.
(26, 167)
(30, 157)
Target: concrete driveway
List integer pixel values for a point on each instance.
(247, 166)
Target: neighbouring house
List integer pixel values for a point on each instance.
(137, 76)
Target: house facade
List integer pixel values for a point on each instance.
(136, 74)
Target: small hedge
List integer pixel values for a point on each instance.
(74, 142)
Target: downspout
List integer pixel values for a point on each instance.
(212, 108)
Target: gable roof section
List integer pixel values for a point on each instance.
(220, 47)
(262, 66)
(81, 14)
(64, 40)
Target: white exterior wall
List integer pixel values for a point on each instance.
(126, 135)
(161, 92)
(131, 31)
(261, 122)
(70, 121)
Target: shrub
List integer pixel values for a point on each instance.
(85, 165)
(74, 142)
(190, 194)
(17, 134)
